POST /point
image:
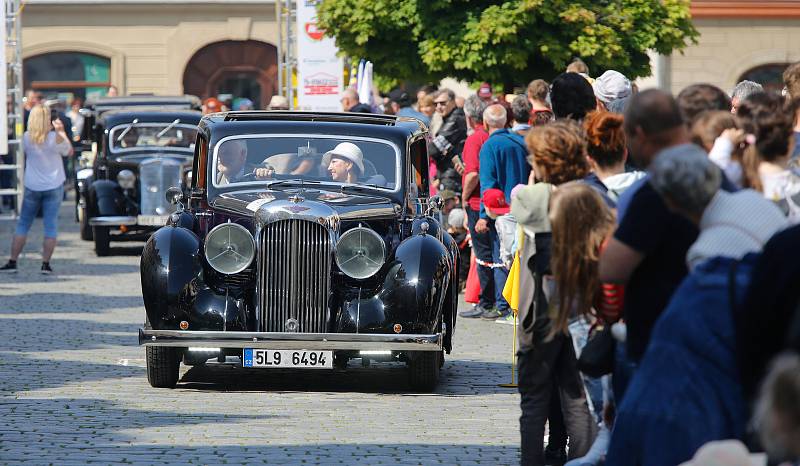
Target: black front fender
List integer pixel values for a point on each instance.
(412, 293)
(171, 272)
(105, 198)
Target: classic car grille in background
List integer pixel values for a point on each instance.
(155, 176)
(295, 276)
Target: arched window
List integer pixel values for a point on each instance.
(58, 73)
(770, 76)
(233, 70)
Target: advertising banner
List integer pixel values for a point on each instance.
(319, 71)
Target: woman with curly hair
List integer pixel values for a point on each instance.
(547, 361)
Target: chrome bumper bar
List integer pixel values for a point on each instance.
(112, 221)
(290, 341)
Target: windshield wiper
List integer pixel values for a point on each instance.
(133, 123)
(299, 181)
(359, 187)
(169, 127)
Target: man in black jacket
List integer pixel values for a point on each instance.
(445, 148)
(350, 102)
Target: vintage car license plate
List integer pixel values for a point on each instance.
(299, 359)
(152, 220)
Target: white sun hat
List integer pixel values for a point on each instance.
(348, 151)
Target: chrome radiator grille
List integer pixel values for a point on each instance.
(295, 276)
(155, 177)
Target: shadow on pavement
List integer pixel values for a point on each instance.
(46, 302)
(458, 378)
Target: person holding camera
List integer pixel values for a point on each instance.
(45, 142)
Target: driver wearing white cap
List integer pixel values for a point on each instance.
(345, 162)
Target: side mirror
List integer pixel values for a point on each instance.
(435, 204)
(174, 195)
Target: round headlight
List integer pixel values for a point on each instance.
(360, 252)
(126, 179)
(229, 248)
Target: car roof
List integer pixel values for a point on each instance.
(363, 124)
(144, 115)
(177, 102)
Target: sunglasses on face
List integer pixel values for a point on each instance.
(444, 102)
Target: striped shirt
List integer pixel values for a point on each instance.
(735, 224)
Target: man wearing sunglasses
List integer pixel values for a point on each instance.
(446, 147)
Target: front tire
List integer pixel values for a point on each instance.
(101, 240)
(86, 229)
(424, 369)
(163, 366)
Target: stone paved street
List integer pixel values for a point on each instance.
(73, 387)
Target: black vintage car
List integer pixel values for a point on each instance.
(139, 152)
(308, 240)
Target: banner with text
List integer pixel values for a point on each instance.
(319, 71)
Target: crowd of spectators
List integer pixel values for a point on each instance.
(649, 238)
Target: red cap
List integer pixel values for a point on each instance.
(485, 91)
(495, 202)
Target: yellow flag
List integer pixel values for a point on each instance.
(511, 289)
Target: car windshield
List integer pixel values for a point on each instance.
(345, 160)
(138, 136)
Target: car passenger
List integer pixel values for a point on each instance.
(130, 139)
(230, 162)
(345, 162)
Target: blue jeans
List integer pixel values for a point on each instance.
(500, 273)
(623, 372)
(482, 247)
(49, 201)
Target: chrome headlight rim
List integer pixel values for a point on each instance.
(353, 231)
(126, 179)
(217, 229)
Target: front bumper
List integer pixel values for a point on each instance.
(112, 221)
(291, 341)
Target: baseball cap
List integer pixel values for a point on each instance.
(495, 201)
(485, 91)
(401, 97)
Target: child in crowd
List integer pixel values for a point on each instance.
(720, 133)
(457, 227)
(494, 201)
(581, 224)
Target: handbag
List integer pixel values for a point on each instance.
(597, 357)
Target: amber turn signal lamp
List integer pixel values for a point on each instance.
(184, 325)
(398, 328)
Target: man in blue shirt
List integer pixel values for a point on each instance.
(503, 165)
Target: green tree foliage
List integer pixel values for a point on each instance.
(508, 42)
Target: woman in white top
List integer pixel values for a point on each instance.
(45, 142)
(771, 123)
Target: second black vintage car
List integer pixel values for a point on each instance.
(142, 146)
(308, 240)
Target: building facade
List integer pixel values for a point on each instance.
(229, 47)
(739, 39)
(201, 47)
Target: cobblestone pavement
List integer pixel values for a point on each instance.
(73, 387)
